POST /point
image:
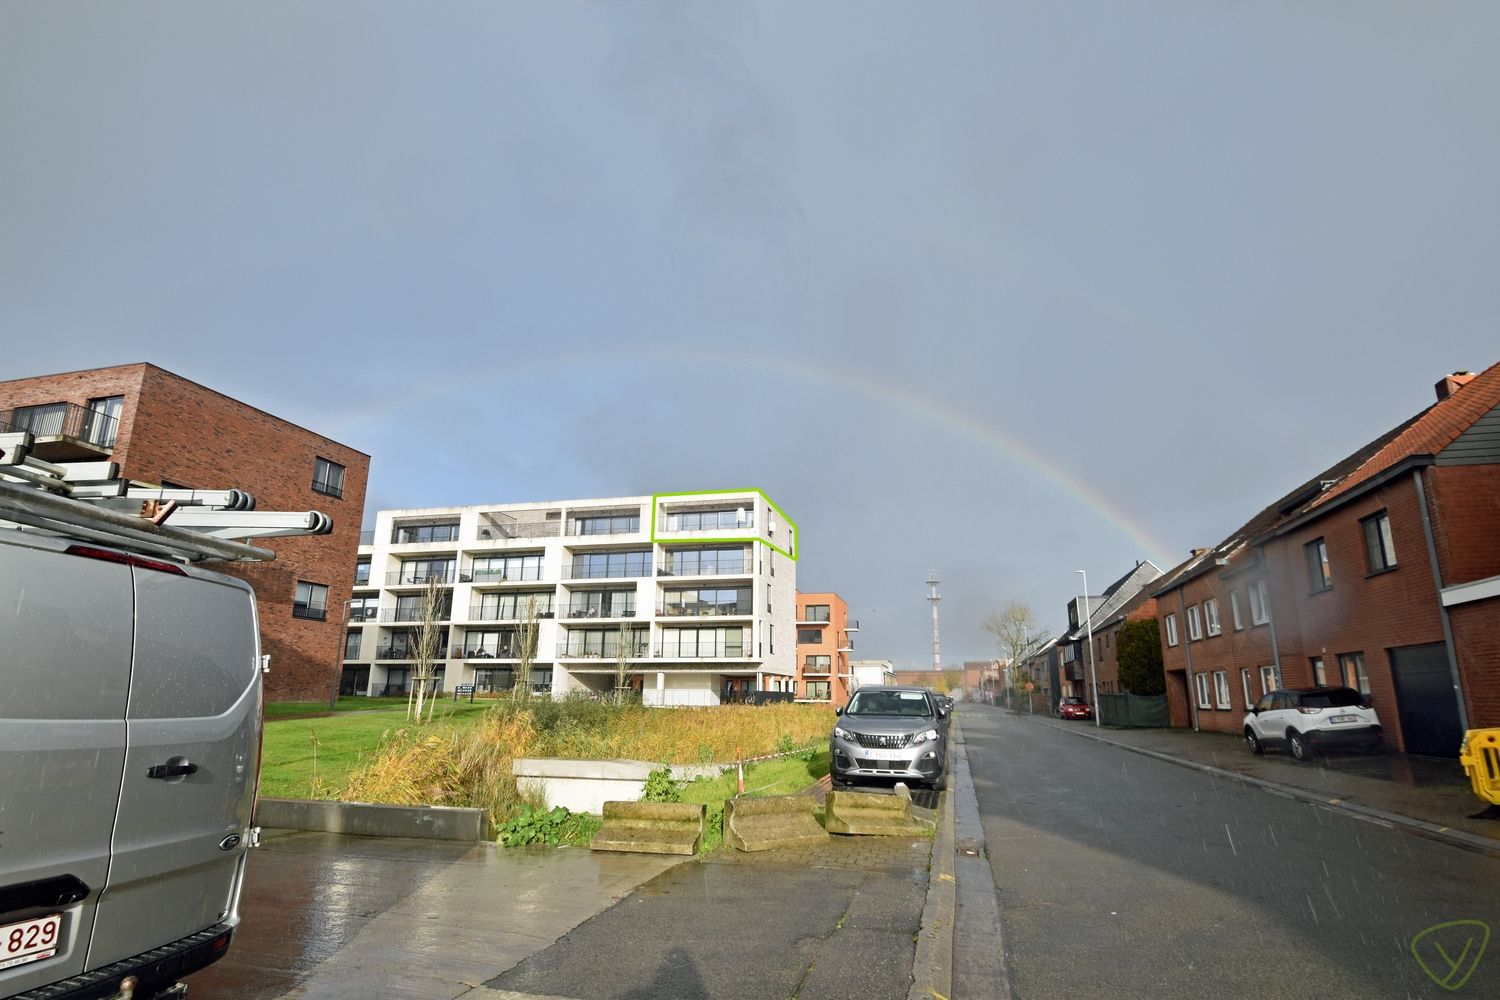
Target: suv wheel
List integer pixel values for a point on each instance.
(1253, 742)
(940, 785)
(1298, 745)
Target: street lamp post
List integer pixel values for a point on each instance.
(1088, 622)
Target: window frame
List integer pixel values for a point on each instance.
(1211, 622)
(1194, 623)
(1260, 596)
(1319, 671)
(1200, 682)
(1245, 685)
(1361, 676)
(310, 610)
(1273, 672)
(1319, 570)
(1235, 612)
(1222, 700)
(326, 485)
(1169, 623)
(1379, 541)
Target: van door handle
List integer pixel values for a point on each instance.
(171, 770)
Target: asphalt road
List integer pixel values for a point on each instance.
(1123, 876)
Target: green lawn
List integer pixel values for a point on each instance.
(284, 709)
(312, 758)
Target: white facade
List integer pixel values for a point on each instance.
(867, 673)
(701, 588)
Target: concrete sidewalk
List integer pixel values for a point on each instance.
(1424, 795)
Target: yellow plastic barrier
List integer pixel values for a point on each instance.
(1480, 756)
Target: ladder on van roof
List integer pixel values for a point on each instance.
(89, 501)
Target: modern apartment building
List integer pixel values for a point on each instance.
(824, 642)
(697, 589)
(165, 430)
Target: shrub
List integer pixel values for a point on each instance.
(660, 787)
(535, 826)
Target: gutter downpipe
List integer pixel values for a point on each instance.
(1187, 647)
(1271, 621)
(1437, 580)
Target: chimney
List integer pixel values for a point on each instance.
(1198, 552)
(1449, 384)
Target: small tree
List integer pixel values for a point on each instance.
(622, 664)
(1139, 652)
(526, 637)
(1016, 635)
(429, 643)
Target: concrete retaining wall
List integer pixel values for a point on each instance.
(585, 785)
(365, 819)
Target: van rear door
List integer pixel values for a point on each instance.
(193, 721)
(64, 682)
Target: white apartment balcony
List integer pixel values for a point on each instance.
(706, 609)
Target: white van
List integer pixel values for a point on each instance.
(130, 725)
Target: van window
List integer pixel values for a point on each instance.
(195, 647)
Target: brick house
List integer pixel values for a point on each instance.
(823, 646)
(1381, 573)
(164, 429)
(1124, 600)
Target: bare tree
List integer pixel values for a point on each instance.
(430, 634)
(622, 664)
(526, 637)
(1017, 636)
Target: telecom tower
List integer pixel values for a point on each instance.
(933, 598)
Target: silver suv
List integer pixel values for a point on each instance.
(130, 726)
(1307, 719)
(890, 732)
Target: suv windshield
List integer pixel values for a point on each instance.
(912, 704)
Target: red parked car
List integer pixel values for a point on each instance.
(1074, 708)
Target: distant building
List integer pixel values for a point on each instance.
(824, 642)
(166, 430)
(871, 672)
(700, 591)
(1127, 599)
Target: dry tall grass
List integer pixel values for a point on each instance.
(470, 765)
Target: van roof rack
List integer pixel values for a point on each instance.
(88, 500)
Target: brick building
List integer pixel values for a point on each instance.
(824, 642)
(1381, 573)
(166, 430)
(1101, 617)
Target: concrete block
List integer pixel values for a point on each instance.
(585, 785)
(651, 827)
(771, 822)
(864, 814)
(367, 819)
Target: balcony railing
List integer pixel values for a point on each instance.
(705, 609)
(363, 614)
(504, 574)
(576, 651)
(367, 538)
(741, 567)
(406, 653)
(413, 578)
(578, 572)
(715, 652)
(62, 420)
(480, 613)
(314, 612)
(510, 652)
(412, 615)
(520, 529)
(584, 611)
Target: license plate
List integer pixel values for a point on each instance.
(886, 754)
(30, 940)
(1344, 718)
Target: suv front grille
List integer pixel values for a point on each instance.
(897, 741)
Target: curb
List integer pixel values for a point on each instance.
(1461, 839)
(932, 965)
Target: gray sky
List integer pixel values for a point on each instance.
(1001, 289)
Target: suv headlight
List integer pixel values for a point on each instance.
(842, 733)
(930, 734)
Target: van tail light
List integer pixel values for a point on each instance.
(124, 559)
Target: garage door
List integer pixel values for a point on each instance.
(1426, 702)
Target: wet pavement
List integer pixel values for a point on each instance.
(1428, 789)
(332, 916)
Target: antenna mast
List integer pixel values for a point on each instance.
(933, 598)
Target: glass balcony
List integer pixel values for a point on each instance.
(705, 609)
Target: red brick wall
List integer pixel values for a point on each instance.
(179, 431)
(1465, 503)
(832, 636)
(1476, 637)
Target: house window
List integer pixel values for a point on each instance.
(405, 534)
(351, 645)
(768, 598)
(1318, 577)
(42, 420)
(1260, 609)
(818, 690)
(102, 421)
(487, 569)
(771, 639)
(1320, 672)
(1352, 666)
(1171, 624)
(1221, 689)
(328, 477)
(612, 524)
(809, 636)
(1234, 610)
(1195, 626)
(362, 573)
(1245, 685)
(1270, 679)
(364, 609)
(1379, 549)
(311, 601)
(1201, 680)
(1211, 616)
(815, 613)
(817, 664)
